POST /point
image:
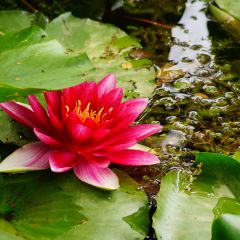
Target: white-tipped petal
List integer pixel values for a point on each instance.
(103, 178)
(30, 157)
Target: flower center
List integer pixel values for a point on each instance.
(83, 114)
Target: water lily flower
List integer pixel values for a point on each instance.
(85, 128)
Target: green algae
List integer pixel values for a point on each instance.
(197, 75)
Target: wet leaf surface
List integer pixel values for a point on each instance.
(109, 51)
(46, 206)
(30, 64)
(13, 132)
(187, 208)
(231, 6)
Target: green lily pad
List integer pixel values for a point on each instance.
(227, 220)
(230, 24)
(231, 6)
(14, 20)
(29, 63)
(226, 227)
(186, 208)
(13, 132)
(22, 38)
(181, 215)
(48, 206)
(34, 207)
(107, 47)
(107, 211)
(139, 220)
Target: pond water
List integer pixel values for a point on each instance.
(197, 94)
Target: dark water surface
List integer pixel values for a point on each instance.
(197, 98)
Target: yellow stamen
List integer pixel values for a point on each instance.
(67, 108)
(87, 112)
(77, 108)
(98, 115)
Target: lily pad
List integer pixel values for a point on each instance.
(47, 206)
(13, 132)
(230, 6)
(107, 211)
(107, 47)
(14, 20)
(230, 24)
(185, 208)
(24, 37)
(227, 220)
(34, 64)
(34, 209)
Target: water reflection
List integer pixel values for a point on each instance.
(174, 138)
(190, 61)
(190, 53)
(191, 37)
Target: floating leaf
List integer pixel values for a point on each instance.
(139, 220)
(47, 206)
(107, 211)
(13, 132)
(231, 6)
(229, 23)
(185, 209)
(227, 220)
(107, 47)
(14, 20)
(29, 64)
(28, 36)
(34, 207)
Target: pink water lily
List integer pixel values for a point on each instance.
(84, 128)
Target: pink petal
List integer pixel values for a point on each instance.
(19, 113)
(106, 85)
(127, 112)
(99, 160)
(100, 134)
(121, 146)
(136, 106)
(144, 130)
(88, 95)
(53, 100)
(85, 92)
(80, 132)
(47, 139)
(112, 99)
(137, 132)
(39, 111)
(33, 156)
(91, 124)
(133, 158)
(77, 131)
(131, 134)
(56, 123)
(71, 94)
(62, 161)
(99, 177)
